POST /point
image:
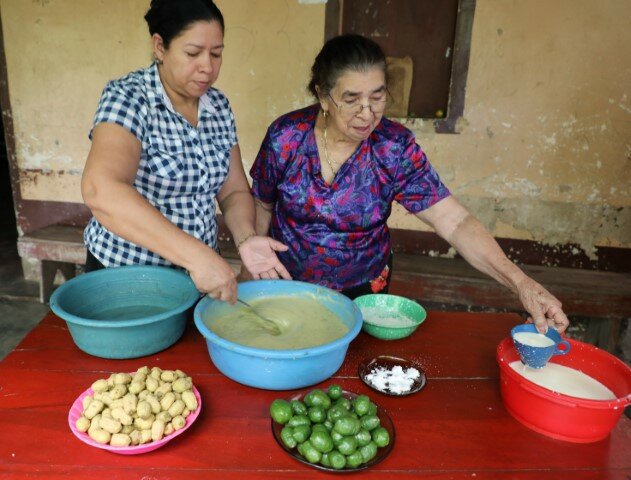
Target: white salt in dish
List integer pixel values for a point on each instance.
(395, 380)
(392, 376)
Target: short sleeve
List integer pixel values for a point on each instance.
(265, 171)
(417, 185)
(233, 129)
(123, 107)
(222, 121)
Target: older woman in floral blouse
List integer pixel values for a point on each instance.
(326, 176)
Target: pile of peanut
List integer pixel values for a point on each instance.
(134, 409)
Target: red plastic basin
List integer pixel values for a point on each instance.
(561, 416)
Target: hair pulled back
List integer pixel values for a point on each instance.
(169, 18)
(340, 54)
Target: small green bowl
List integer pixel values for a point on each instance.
(380, 309)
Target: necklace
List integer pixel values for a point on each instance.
(326, 150)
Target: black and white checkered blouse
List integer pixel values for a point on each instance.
(182, 168)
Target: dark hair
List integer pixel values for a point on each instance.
(341, 53)
(169, 18)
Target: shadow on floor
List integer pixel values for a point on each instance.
(20, 309)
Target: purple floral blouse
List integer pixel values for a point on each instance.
(337, 234)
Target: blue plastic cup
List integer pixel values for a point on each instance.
(534, 348)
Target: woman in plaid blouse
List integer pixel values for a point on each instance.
(164, 148)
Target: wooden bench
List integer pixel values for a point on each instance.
(58, 248)
(452, 284)
(446, 283)
(454, 281)
(601, 299)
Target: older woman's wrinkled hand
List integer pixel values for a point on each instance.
(544, 308)
(258, 255)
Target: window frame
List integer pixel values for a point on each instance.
(460, 64)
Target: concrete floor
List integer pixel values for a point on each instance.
(20, 309)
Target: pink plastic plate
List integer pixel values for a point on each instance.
(77, 409)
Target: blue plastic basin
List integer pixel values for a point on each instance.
(125, 312)
(279, 369)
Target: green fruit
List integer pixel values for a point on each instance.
(297, 420)
(287, 436)
(308, 398)
(335, 412)
(321, 440)
(325, 460)
(347, 425)
(317, 398)
(301, 433)
(372, 409)
(361, 405)
(338, 461)
(334, 392)
(363, 437)
(336, 437)
(317, 414)
(347, 445)
(299, 448)
(310, 452)
(344, 402)
(328, 424)
(370, 422)
(368, 452)
(298, 407)
(323, 400)
(354, 460)
(319, 427)
(380, 436)
(281, 411)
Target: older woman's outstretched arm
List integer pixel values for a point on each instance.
(453, 222)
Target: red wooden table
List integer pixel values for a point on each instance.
(455, 428)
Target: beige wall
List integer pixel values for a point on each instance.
(545, 148)
(57, 66)
(545, 144)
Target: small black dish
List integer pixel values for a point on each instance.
(388, 362)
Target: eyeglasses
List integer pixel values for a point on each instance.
(355, 107)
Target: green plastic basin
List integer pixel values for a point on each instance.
(390, 317)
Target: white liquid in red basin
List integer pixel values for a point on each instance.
(561, 379)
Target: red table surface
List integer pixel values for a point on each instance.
(455, 428)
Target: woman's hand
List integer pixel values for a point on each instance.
(473, 241)
(214, 276)
(257, 254)
(244, 275)
(543, 307)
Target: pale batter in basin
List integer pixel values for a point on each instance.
(304, 322)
